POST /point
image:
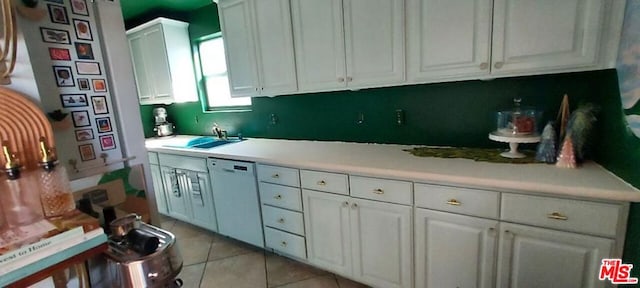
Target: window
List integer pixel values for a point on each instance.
(214, 77)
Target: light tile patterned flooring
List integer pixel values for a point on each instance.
(215, 261)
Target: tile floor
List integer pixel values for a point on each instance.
(212, 260)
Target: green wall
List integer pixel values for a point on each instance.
(456, 114)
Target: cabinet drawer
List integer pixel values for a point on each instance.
(474, 202)
(565, 214)
(382, 190)
(284, 242)
(282, 219)
(281, 196)
(325, 181)
(279, 175)
(153, 158)
(183, 162)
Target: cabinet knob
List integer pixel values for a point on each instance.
(484, 66)
(454, 202)
(345, 204)
(322, 183)
(256, 88)
(378, 191)
(281, 220)
(275, 176)
(349, 79)
(340, 79)
(277, 197)
(283, 243)
(498, 65)
(354, 205)
(557, 216)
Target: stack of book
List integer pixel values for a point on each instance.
(21, 246)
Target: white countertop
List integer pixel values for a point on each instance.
(390, 161)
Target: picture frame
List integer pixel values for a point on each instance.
(63, 76)
(100, 105)
(83, 50)
(79, 7)
(86, 152)
(103, 124)
(83, 29)
(58, 14)
(59, 54)
(84, 134)
(80, 118)
(107, 142)
(74, 100)
(83, 84)
(99, 85)
(50, 35)
(88, 68)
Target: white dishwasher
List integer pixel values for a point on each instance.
(235, 193)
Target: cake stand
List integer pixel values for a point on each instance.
(514, 141)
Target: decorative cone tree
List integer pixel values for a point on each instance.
(547, 148)
(567, 157)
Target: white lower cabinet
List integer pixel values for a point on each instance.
(367, 240)
(454, 250)
(536, 257)
(158, 188)
(176, 203)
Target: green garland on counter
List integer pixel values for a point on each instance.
(477, 154)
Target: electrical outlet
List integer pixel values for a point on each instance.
(273, 119)
(360, 120)
(400, 117)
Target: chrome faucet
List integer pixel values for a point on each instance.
(217, 131)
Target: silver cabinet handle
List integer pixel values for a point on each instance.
(275, 176)
(349, 79)
(484, 66)
(498, 65)
(557, 216)
(281, 220)
(378, 191)
(322, 183)
(283, 243)
(277, 197)
(340, 79)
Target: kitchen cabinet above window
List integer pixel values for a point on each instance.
(162, 62)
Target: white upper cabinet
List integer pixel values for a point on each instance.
(475, 39)
(545, 34)
(448, 38)
(162, 62)
(258, 47)
(348, 43)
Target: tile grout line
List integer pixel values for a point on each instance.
(205, 263)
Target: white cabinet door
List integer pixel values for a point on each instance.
(448, 39)
(200, 196)
(326, 219)
(543, 35)
(275, 47)
(144, 84)
(454, 250)
(319, 44)
(176, 203)
(158, 65)
(381, 243)
(158, 188)
(237, 32)
(535, 257)
(374, 42)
